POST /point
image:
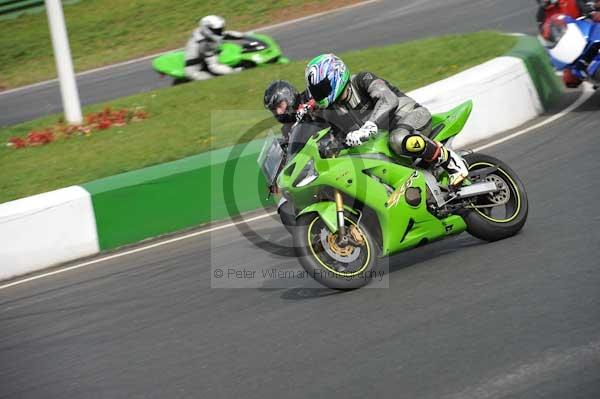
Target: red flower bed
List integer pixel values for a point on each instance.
(93, 122)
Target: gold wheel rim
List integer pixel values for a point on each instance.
(329, 268)
(516, 189)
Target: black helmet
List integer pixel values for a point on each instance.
(278, 91)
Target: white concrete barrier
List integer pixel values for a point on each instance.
(46, 229)
(503, 94)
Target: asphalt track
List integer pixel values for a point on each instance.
(379, 23)
(519, 318)
(462, 318)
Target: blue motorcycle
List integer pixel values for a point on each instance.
(574, 47)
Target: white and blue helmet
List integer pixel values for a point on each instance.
(326, 76)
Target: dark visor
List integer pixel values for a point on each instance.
(321, 90)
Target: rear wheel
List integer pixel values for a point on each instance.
(501, 214)
(340, 268)
(596, 78)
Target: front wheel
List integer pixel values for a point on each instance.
(501, 214)
(246, 65)
(340, 268)
(287, 214)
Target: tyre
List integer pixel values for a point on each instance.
(335, 267)
(596, 78)
(502, 214)
(288, 216)
(246, 65)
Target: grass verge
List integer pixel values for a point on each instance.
(180, 117)
(102, 32)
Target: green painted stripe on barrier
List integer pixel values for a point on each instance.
(533, 54)
(165, 198)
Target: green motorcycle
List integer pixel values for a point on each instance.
(354, 205)
(254, 50)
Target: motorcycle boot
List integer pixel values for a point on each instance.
(436, 156)
(454, 164)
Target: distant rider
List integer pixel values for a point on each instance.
(553, 26)
(572, 8)
(549, 8)
(201, 51)
(286, 104)
(364, 103)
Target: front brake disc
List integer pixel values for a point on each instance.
(345, 255)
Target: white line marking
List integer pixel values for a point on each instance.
(585, 95)
(136, 250)
(147, 57)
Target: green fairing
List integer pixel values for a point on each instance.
(172, 64)
(357, 174)
(232, 54)
(454, 121)
(327, 211)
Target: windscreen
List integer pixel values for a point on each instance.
(271, 159)
(300, 135)
(253, 45)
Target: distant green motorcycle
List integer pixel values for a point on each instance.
(254, 50)
(354, 205)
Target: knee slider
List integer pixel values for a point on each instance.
(414, 144)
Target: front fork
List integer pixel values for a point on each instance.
(345, 236)
(339, 207)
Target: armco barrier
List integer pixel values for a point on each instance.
(59, 226)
